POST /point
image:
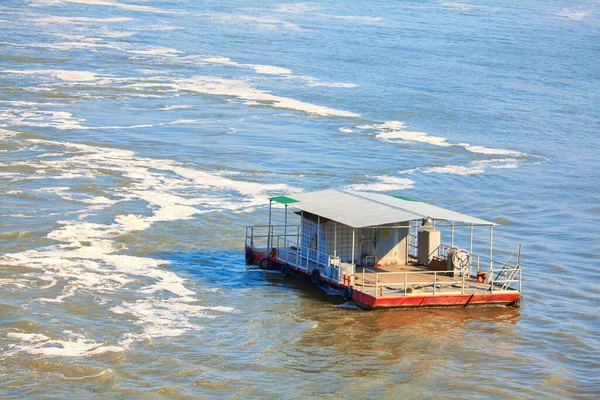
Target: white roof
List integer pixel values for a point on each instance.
(362, 209)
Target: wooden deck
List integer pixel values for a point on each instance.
(413, 280)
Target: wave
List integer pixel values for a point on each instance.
(385, 183)
(88, 257)
(242, 90)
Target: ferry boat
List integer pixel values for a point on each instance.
(383, 251)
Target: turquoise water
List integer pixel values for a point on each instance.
(138, 139)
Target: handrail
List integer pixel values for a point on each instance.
(379, 287)
(331, 268)
(273, 226)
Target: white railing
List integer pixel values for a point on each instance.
(263, 234)
(413, 245)
(307, 259)
(504, 276)
(406, 283)
(286, 240)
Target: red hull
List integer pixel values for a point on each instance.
(467, 300)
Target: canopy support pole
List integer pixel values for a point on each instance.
(318, 237)
(353, 239)
(269, 234)
(335, 240)
(452, 240)
(471, 240)
(491, 246)
(285, 231)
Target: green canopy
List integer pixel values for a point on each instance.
(283, 200)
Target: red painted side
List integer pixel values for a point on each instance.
(370, 302)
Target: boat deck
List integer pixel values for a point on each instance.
(413, 280)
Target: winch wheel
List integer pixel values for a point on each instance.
(461, 259)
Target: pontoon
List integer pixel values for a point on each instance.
(382, 251)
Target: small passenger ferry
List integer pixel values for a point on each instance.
(382, 251)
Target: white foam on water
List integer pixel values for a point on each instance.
(66, 121)
(455, 170)
(242, 90)
(260, 68)
(64, 75)
(396, 130)
(157, 51)
(87, 258)
(75, 345)
(421, 137)
(486, 150)
(357, 18)
(299, 8)
(571, 14)
(26, 103)
(269, 23)
(385, 183)
(270, 70)
(20, 283)
(123, 6)
(54, 19)
(107, 33)
(316, 83)
(469, 7)
(174, 107)
(6, 133)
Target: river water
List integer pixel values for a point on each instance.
(139, 138)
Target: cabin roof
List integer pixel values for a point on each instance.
(364, 209)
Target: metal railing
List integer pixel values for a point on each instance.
(412, 245)
(292, 252)
(507, 274)
(264, 238)
(406, 283)
(307, 259)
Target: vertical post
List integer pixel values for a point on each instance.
(335, 240)
(471, 240)
(353, 238)
(416, 235)
(452, 240)
(519, 266)
(491, 246)
(318, 238)
(269, 234)
(363, 281)
(491, 262)
(434, 281)
(285, 243)
(405, 282)
(301, 235)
